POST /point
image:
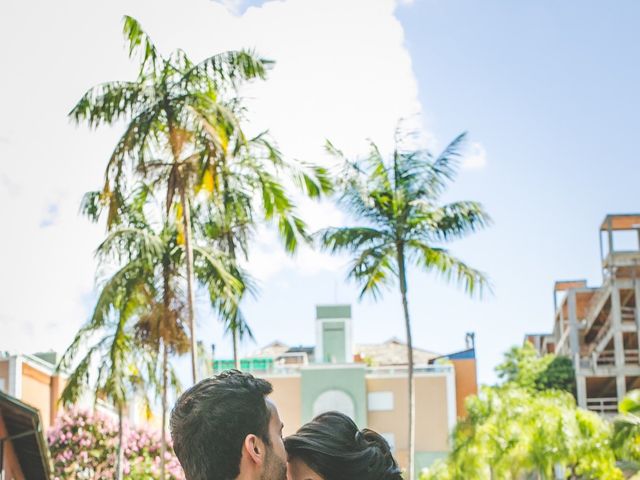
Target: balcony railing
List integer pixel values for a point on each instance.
(607, 359)
(403, 370)
(603, 406)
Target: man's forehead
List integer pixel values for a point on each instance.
(273, 410)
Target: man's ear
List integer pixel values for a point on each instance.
(255, 449)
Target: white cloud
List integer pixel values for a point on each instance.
(342, 73)
(476, 157)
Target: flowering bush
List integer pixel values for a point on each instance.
(84, 444)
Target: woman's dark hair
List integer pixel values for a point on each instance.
(333, 447)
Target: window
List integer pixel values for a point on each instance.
(391, 440)
(380, 401)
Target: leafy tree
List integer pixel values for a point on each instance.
(512, 433)
(626, 433)
(525, 368)
(402, 223)
(522, 366)
(171, 104)
(559, 375)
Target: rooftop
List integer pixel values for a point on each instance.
(392, 352)
(627, 221)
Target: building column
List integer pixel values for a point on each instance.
(618, 343)
(581, 390)
(573, 329)
(15, 376)
(616, 326)
(561, 328)
(637, 309)
(621, 387)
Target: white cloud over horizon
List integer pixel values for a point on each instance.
(342, 73)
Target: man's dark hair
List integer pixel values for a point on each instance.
(210, 421)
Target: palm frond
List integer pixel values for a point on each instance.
(217, 271)
(448, 222)
(450, 268)
(350, 239)
(132, 244)
(140, 43)
(109, 102)
(232, 67)
(374, 268)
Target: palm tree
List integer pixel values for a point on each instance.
(403, 224)
(114, 365)
(164, 109)
(150, 277)
(249, 176)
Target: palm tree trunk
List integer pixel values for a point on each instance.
(186, 223)
(232, 256)
(234, 325)
(236, 356)
(412, 396)
(120, 452)
(163, 430)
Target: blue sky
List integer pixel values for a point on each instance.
(547, 90)
(550, 89)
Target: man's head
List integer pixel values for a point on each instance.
(224, 426)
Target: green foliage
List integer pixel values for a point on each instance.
(183, 139)
(396, 201)
(559, 375)
(511, 432)
(626, 434)
(525, 368)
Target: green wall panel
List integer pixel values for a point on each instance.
(350, 380)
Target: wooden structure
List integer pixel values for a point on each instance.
(24, 454)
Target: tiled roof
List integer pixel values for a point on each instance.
(391, 352)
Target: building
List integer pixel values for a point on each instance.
(24, 454)
(368, 383)
(598, 327)
(33, 379)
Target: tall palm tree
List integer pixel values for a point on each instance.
(114, 364)
(402, 224)
(163, 109)
(150, 277)
(247, 188)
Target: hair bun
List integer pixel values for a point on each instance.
(381, 460)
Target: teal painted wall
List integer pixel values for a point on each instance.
(333, 311)
(350, 380)
(334, 342)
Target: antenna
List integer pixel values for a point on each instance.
(470, 340)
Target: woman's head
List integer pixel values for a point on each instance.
(331, 447)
